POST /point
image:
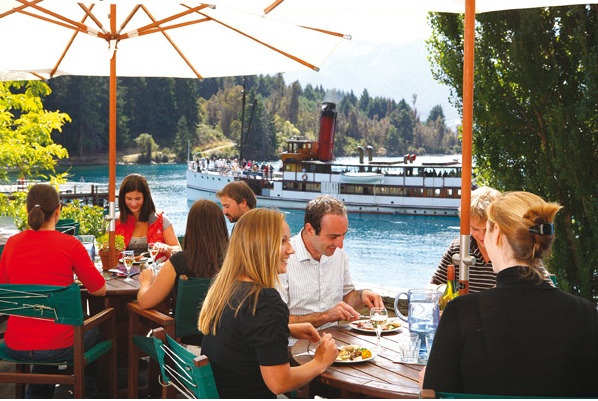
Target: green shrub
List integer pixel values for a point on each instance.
(90, 218)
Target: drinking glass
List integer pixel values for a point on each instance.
(153, 249)
(97, 261)
(409, 345)
(378, 317)
(128, 259)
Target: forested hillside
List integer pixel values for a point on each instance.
(170, 113)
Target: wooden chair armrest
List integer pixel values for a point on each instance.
(98, 319)
(201, 360)
(155, 316)
(427, 393)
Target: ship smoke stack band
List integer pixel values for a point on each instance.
(327, 130)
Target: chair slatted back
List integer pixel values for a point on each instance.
(191, 375)
(191, 292)
(60, 304)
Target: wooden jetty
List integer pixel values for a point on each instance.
(89, 193)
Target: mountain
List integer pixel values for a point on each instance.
(393, 70)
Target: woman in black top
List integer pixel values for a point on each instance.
(204, 247)
(245, 322)
(524, 337)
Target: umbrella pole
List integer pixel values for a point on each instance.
(468, 69)
(112, 143)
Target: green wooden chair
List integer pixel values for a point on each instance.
(188, 373)
(190, 295)
(68, 226)
(62, 305)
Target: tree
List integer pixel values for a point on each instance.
(147, 146)
(26, 129)
(260, 141)
(86, 99)
(182, 138)
(535, 117)
(294, 102)
(435, 114)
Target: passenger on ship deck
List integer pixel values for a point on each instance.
(523, 338)
(236, 198)
(317, 286)
(43, 255)
(481, 274)
(140, 223)
(204, 248)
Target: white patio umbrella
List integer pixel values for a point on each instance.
(152, 38)
(352, 13)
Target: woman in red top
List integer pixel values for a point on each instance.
(139, 222)
(42, 255)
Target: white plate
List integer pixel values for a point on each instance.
(358, 325)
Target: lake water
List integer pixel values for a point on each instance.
(389, 252)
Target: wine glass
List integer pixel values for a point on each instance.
(378, 317)
(153, 249)
(128, 259)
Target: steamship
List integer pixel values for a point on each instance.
(308, 170)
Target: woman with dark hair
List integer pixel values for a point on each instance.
(139, 222)
(206, 242)
(523, 337)
(42, 255)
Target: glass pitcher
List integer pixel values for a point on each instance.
(422, 310)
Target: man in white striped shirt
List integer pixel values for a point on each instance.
(317, 286)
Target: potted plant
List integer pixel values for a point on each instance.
(103, 248)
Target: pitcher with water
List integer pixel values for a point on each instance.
(422, 310)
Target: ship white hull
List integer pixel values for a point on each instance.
(292, 191)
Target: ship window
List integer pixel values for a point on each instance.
(381, 190)
(397, 191)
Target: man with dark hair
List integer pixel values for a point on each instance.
(236, 199)
(317, 286)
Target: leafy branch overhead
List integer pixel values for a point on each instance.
(535, 115)
(26, 143)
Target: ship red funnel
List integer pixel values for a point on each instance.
(327, 129)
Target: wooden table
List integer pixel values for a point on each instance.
(118, 294)
(380, 377)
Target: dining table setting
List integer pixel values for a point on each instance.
(381, 354)
(381, 372)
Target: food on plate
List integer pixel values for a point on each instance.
(353, 352)
(367, 325)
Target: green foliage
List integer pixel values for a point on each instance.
(103, 242)
(15, 208)
(25, 129)
(536, 97)
(206, 136)
(90, 218)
